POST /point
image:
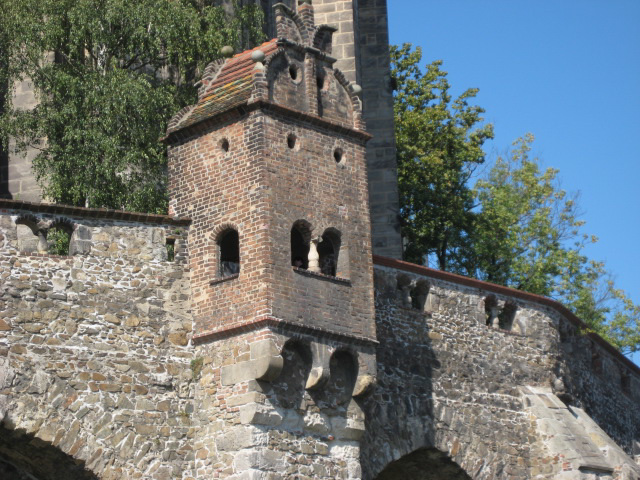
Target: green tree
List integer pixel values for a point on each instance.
(527, 235)
(439, 142)
(108, 75)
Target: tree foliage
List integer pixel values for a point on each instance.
(108, 75)
(439, 142)
(515, 226)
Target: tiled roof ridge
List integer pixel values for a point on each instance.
(507, 291)
(238, 63)
(99, 213)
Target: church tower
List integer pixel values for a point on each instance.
(270, 166)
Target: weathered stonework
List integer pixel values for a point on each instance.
(491, 398)
(253, 335)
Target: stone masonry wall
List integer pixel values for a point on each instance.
(259, 421)
(449, 381)
(93, 352)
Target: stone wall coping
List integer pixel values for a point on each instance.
(98, 213)
(269, 321)
(510, 292)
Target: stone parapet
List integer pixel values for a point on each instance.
(473, 377)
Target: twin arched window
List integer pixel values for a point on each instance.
(319, 255)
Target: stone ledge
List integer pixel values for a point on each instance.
(282, 325)
(224, 279)
(322, 276)
(99, 213)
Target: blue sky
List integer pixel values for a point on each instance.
(567, 71)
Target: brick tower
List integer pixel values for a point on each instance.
(270, 166)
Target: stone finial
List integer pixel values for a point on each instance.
(258, 56)
(226, 51)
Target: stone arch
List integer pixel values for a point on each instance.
(31, 234)
(24, 456)
(335, 396)
(403, 287)
(423, 464)
(344, 373)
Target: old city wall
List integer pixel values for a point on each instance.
(93, 347)
(99, 377)
(490, 398)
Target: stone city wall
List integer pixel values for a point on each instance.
(490, 397)
(94, 356)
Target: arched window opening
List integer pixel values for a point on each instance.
(229, 246)
(419, 295)
(299, 248)
(492, 310)
(508, 315)
(328, 252)
(30, 238)
(59, 239)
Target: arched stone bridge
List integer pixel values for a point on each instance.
(102, 377)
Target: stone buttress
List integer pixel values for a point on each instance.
(270, 166)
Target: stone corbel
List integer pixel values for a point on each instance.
(265, 364)
(320, 369)
(366, 379)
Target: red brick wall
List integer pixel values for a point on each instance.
(261, 186)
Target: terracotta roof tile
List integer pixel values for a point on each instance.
(231, 87)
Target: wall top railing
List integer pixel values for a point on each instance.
(509, 292)
(94, 213)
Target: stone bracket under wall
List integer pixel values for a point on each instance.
(265, 363)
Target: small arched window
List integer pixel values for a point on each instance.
(328, 251)
(300, 237)
(229, 248)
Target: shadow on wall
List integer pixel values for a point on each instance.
(25, 457)
(399, 434)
